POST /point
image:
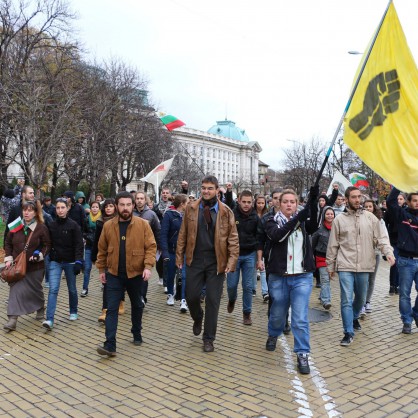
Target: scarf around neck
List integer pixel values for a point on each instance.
(207, 205)
(94, 218)
(280, 219)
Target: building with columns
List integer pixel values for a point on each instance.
(225, 151)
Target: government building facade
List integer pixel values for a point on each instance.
(224, 151)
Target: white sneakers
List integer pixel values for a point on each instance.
(368, 307)
(183, 306)
(170, 300)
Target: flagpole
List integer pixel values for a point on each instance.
(157, 191)
(193, 159)
(351, 96)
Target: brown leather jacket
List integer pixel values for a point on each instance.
(140, 247)
(226, 237)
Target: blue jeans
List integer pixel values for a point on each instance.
(115, 289)
(171, 274)
(408, 274)
(357, 283)
(87, 267)
(246, 264)
(55, 271)
(372, 279)
(263, 280)
(325, 294)
(293, 291)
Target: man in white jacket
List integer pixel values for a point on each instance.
(351, 254)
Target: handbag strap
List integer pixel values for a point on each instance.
(27, 242)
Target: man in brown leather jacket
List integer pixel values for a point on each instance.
(209, 239)
(126, 255)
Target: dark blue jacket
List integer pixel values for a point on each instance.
(407, 221)
(169, 234)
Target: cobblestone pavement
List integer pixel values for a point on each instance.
(60, 374)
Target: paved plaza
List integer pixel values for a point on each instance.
(60, 374)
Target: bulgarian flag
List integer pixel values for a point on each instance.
(16, 225)
(171, 122)
(358, 180)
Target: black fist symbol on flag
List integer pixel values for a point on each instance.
(381, 98)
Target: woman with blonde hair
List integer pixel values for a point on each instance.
(27, 296)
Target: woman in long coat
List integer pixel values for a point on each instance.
(27, 296)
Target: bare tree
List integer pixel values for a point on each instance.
(31, 35)
(302, 163)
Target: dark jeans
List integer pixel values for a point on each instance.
(159, 266)
(115, 288)
(201, 273)
(394, 272)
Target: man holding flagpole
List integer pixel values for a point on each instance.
(406, 219)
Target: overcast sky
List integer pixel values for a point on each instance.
(278, 69)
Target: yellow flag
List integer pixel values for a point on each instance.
(381, 124)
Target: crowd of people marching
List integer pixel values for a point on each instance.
(196, 244)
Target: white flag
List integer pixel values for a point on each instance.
(157, 175)
(342, 182)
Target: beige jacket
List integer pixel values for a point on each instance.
(226, 237)
(354, 236)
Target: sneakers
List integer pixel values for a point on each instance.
(137, 340)
(356, 325)
(103, 351)
(73, 317)
(48, 325)
(368, 307)
(303, 363)
(363, 312)
(160, 281)
(84, 293)
(254, 292)
(266, 297)
(287, 329)
(347, 340)
(406, 329)
(247, 319)
(170, 300)
(271, 343)
(46, 285)
(165, 290)
(327, 306)
(183, 306)
(231, 306)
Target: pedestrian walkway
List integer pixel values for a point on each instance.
(59, 373)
